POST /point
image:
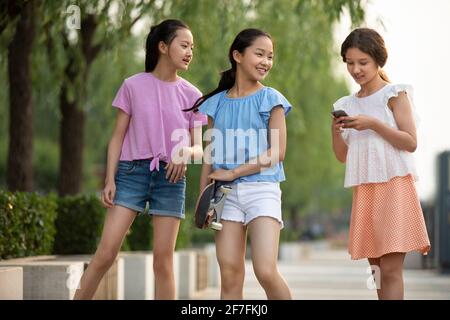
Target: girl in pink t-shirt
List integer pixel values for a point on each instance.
(152, 143)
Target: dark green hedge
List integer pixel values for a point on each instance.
(140, 237)
(32, 224)
(78, 225)
(26, 224)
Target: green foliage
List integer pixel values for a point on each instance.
(184, 238)
(140, 236)
(45, 158)
(289, 235)
(3, 155)
(79, 224)
(26, 224)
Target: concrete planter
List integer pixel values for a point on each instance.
(138, 275)
(57, 277)
(213, 266)
(56, 280)
(187, 276)
(11, 283)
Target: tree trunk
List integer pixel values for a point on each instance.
(19, 175)
(73, 117)
(71, 142)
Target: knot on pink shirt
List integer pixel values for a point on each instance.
(154, 164)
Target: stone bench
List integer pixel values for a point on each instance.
(56, 280)
(11, 283)
(138, 275)
(111, 287)
(213, 265)
(57, 277)
(187, 278)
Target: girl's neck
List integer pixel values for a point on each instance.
(371, 87)
(165, 72)
(243, 87)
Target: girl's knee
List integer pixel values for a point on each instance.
(232, 273)
(231, 268)
(162, 262)
(266, 274)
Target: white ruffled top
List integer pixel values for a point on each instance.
(370, 158)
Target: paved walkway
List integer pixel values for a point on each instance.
(330, 274)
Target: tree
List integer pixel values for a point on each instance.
(19, 162)
(100, 29)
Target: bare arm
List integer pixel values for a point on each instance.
(114, 149)
(405, 138)
(207, 164)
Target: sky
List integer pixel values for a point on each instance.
(417, 37)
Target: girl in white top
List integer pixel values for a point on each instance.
(376, 141)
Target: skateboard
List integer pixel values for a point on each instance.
(209, 207)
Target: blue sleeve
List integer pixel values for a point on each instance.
(271, 99)
(209, 107)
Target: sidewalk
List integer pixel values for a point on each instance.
(330, 275)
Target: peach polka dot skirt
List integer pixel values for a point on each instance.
(386, 218)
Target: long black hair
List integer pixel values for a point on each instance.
(166, 31)
(244, 39)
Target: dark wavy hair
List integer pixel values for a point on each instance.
(243, 40)
(166, 31)
(370, 42)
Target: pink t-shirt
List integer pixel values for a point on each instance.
(156, 110)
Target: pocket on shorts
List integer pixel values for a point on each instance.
(127, 167)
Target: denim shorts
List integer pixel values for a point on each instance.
(136, 185)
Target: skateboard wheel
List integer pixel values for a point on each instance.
(225, 189)
(216, 226)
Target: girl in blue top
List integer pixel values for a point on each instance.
(246, 122)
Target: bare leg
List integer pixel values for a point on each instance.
(264, 235)
(392, 276)
(376, 270)
(117, 222)
(165, 231)
(230, 249)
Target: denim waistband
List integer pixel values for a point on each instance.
(147, 162)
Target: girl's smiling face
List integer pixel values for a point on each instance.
(361, 66)
(257, 60)
(180, 50)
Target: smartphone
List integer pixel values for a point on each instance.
(340, 113)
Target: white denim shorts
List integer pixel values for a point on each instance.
(249, 200)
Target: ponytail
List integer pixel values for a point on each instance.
(383, 75)
(227, 79)
(152, 52)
